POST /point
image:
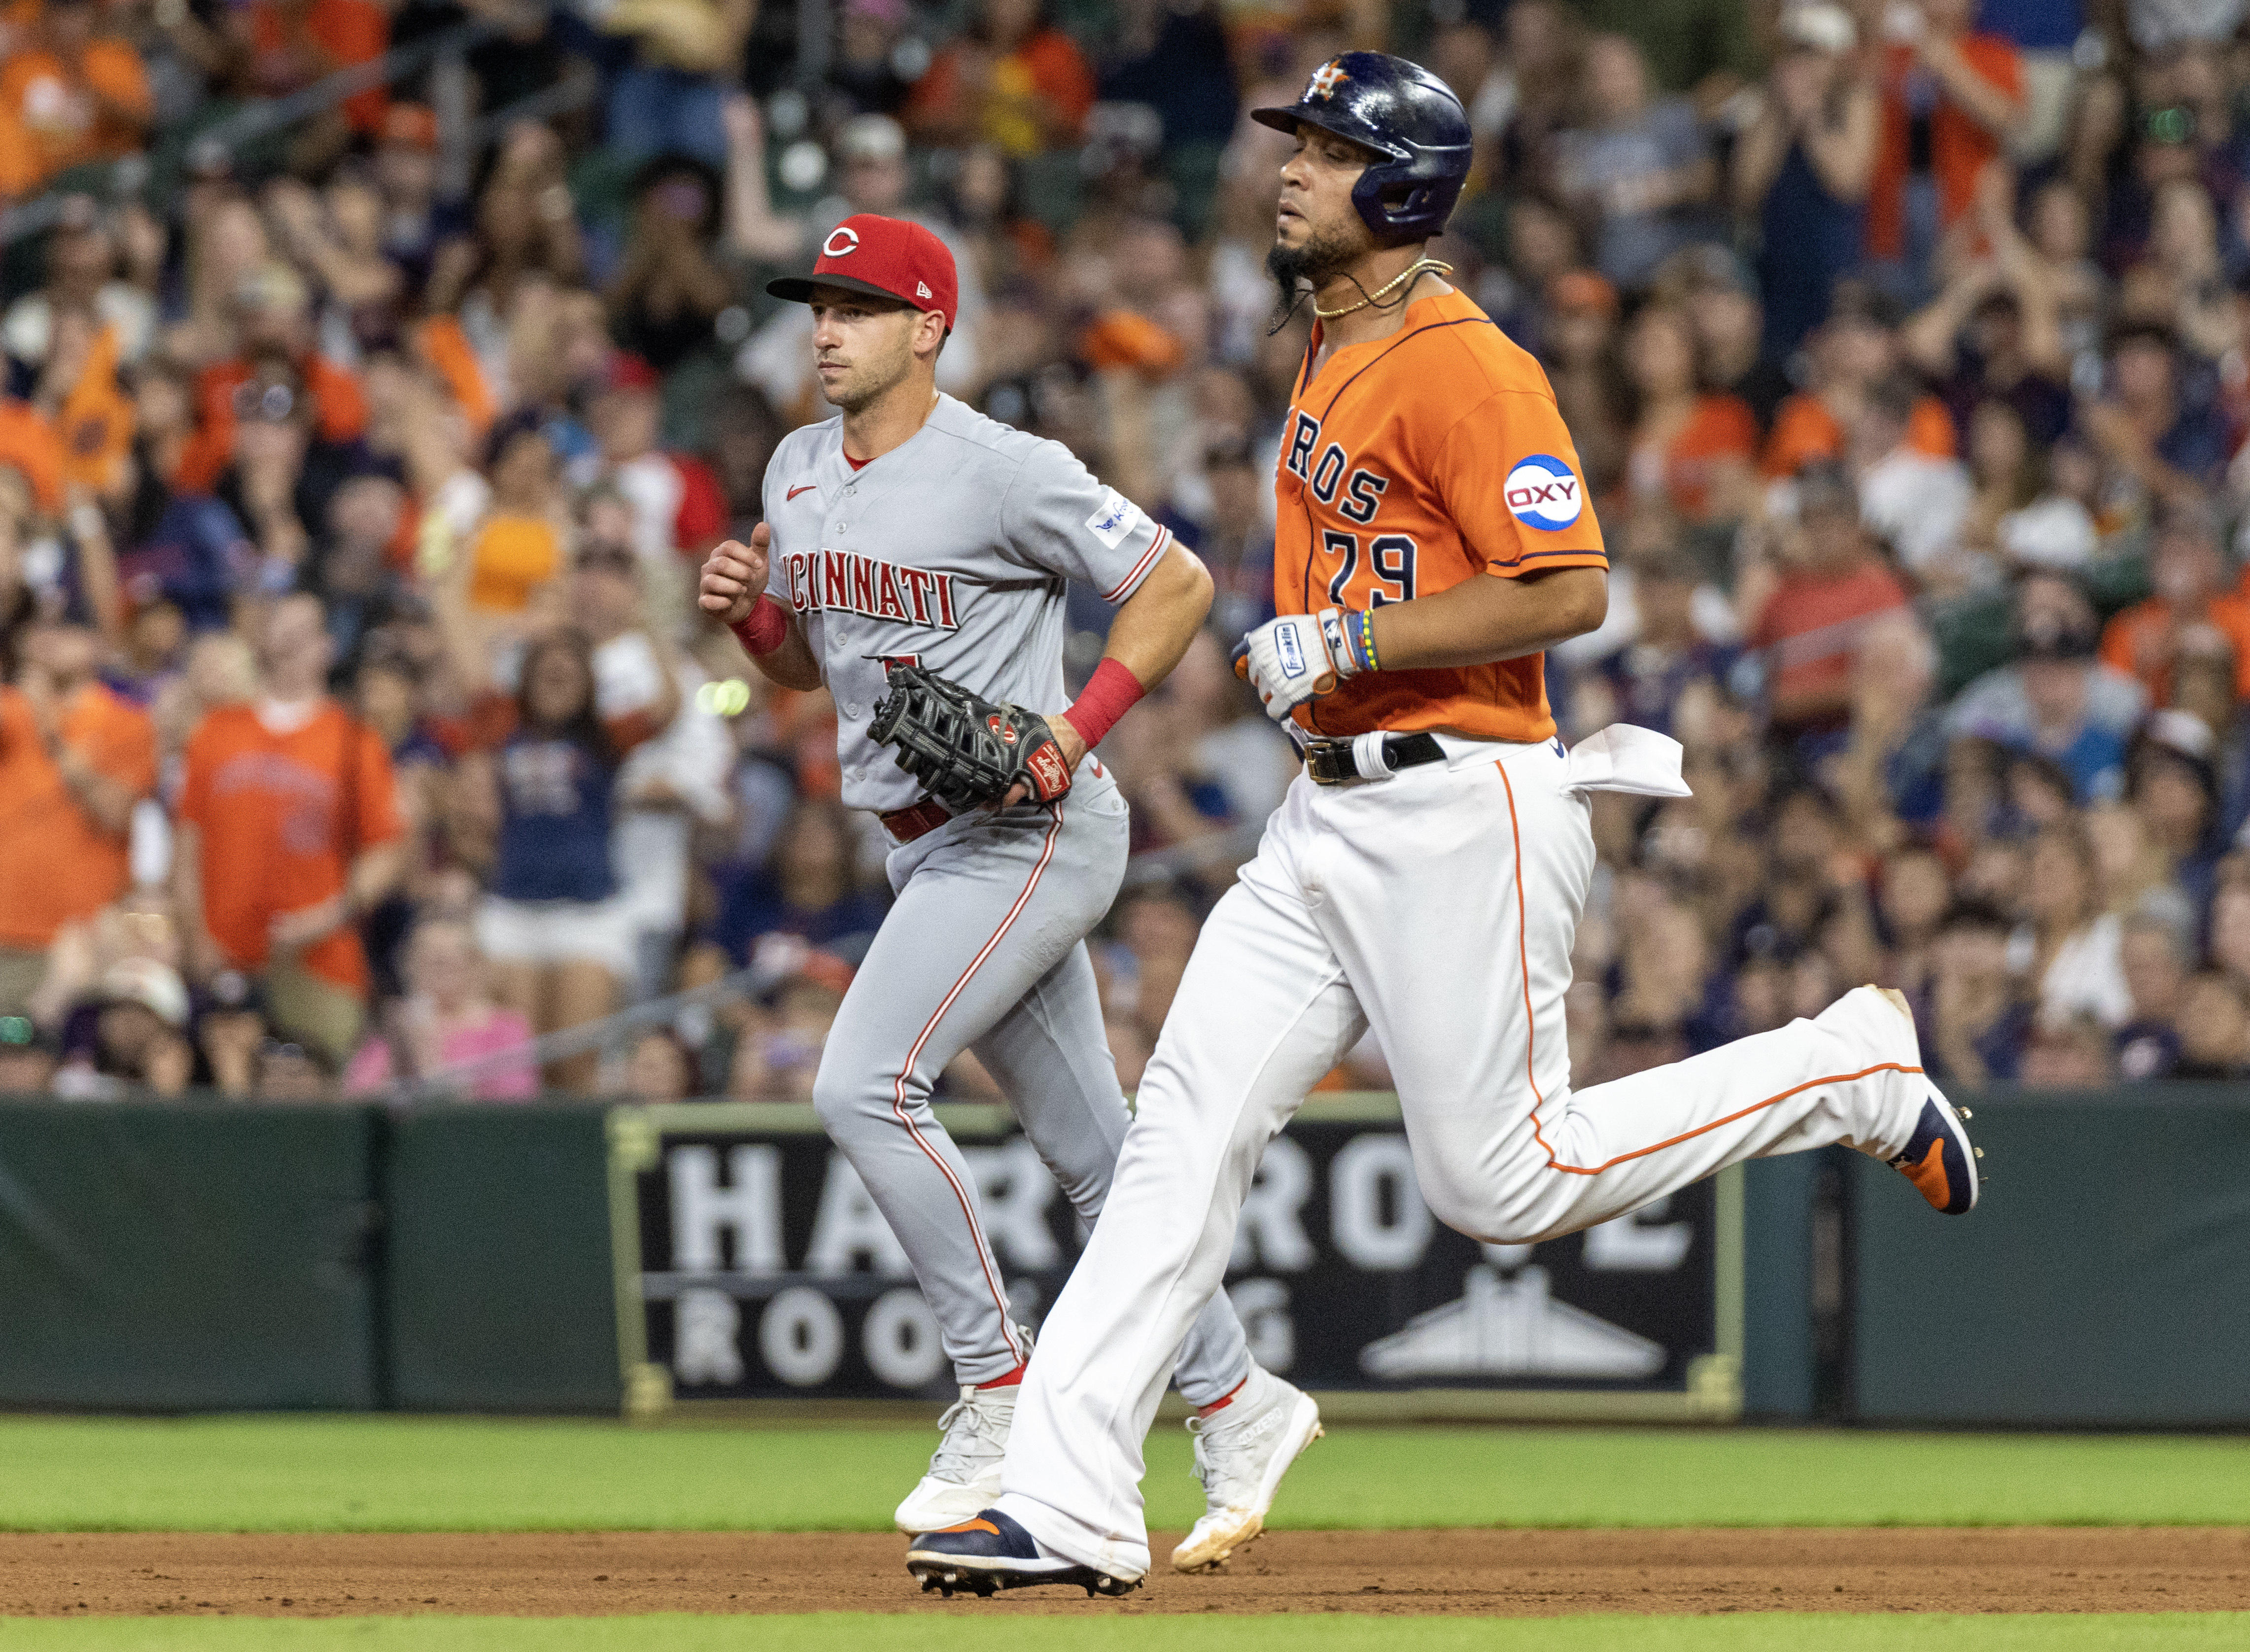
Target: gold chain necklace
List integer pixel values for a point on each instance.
(1366, 298)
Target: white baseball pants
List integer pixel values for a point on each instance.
(1438, 905)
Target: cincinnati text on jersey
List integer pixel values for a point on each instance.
(862, 585)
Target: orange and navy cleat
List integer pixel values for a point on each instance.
(1939, 1160)
(992, 1552)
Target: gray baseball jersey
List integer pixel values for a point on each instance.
(951, 549)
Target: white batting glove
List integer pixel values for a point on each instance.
(1298, 657)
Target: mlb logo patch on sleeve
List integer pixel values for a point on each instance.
(1114, 520)
(1545, 493)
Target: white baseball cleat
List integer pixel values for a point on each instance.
(1240, 1455)
(965, 1471)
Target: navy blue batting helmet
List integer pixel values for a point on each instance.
(1403, 112)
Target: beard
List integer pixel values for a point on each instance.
(1325, 254)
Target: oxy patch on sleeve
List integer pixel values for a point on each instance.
(1544, 492)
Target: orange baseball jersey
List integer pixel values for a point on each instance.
(1408, 464)
(271, 810)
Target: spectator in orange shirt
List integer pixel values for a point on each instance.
(1950, 99)
(75, 759)
(519, 548)
(1691, 448)
(289, 833)
(1834, 598)
(1014, 81)
(2193, 610)
(293, 43)
(69, 97)
(1855, 349)
(80, 396)
(272, 319)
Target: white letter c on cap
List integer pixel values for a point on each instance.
(841, 240)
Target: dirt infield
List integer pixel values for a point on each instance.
(1515, 1573)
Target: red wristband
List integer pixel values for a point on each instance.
(1109, 694)
(766, 630)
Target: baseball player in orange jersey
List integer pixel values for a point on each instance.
(1424, 875)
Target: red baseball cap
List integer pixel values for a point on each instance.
(888, 258)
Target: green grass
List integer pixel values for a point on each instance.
(997, 1632)
(407, 1474)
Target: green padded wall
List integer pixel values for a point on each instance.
(1778, 1349)
(167, 1257)
(2101, 1279)
(200, 1257)
(500, 1289)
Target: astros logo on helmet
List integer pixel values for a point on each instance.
(1326, 79)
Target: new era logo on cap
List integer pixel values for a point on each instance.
(889, 257)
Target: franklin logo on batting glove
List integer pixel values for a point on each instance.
(1292, 656)
(1297, 657)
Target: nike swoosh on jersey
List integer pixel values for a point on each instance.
(807, 487)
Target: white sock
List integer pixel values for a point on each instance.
(1257, 1392)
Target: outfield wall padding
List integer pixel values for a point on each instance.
(1778, 1376)
(498, 1290)
(202, 1257)
(169, 1257)
(2100, 1280)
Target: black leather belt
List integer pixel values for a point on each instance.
(1331, 763)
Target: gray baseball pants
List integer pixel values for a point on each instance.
(985, 951)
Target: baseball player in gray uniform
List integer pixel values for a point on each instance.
(913, 529)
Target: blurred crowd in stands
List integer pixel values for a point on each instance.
(358, 724)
